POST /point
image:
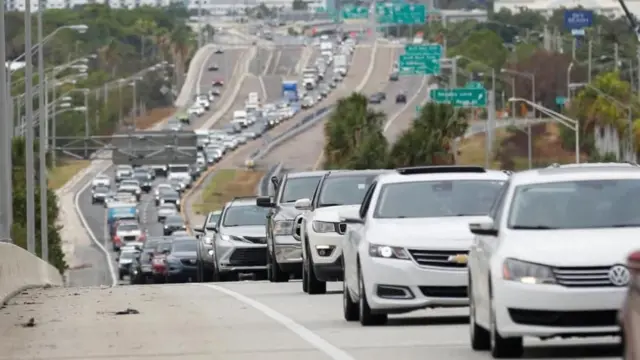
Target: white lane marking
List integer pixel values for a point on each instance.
(305, 334)
(403, 108)
(266, 64)
(92, 236)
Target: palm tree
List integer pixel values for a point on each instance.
(181, 41)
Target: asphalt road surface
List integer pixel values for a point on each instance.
(260, 61)
(282, 66)
(96, 271)
(239, 321)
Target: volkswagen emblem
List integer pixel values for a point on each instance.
(619, 275)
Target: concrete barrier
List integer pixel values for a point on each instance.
(21, 270)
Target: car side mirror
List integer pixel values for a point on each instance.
(199, 236)
(199, 230)
(302, 204)
(351, 216)
(117, 258)
(485, 227)
(264, 201)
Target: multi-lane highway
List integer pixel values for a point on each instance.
(96, 271)
(239, 321)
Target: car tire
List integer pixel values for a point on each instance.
(503, 348)
(367, 317)
(349, 307)
(479, 336)
(314, 286)
(120, 275)
(275, 274)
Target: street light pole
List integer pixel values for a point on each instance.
(86, 125)
(42, 143)
(29, 165)
(6, 127)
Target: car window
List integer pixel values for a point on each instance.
(299, 188)
(245, 215)
(442, 198)
(128, 227)
(344, 190)
(213, 219)
(173, 219)
(127, 255)
(576, 205)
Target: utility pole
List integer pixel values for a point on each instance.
(6, 129)
(29, 165)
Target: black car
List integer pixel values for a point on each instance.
(173, 223)
(393, 76)
(141, 271)
(377, 98)
(213, 67)
(169, 197)
(217, 83)
(401, 98)
(144, 178)
(219, 51)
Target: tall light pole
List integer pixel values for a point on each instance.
(42, 144)
(6, 208)
(29, 165)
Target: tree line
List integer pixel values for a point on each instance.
(118, 43)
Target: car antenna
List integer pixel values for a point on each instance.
(631, 18)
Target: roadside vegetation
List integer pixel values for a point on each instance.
(513, 46)
(225, 185)
(117, 44)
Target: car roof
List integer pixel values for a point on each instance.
(303, 174)
(349, 173)
(442, 173)
(577, 172)
(243, 201)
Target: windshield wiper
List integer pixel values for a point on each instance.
(533, 227)
(330, 204)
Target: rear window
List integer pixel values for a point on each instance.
(128, 227)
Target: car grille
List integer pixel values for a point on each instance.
(129, 238)
(582, 318)
(172, 201)
(189, 262)
(256, 239)
(438, 258)
(444, 291)
(592, 276)
(249, 257)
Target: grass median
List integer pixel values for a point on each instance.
(224, 186)
(65, 170)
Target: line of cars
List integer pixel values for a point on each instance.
(202, 102)
(541, 253)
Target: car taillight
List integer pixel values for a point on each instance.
(143, 237)
(116, 239)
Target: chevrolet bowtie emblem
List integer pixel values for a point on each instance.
(458, 259)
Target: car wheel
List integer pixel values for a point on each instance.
(349, 307)
(276, 274)
(314, 286)
(304, 275)
(120, 276)
(479, 336)
(367, 317)
(503, 348)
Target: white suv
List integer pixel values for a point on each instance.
(550, 259)
(321, 231)
(406, 245)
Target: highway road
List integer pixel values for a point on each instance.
(282, 66)
(95, 271)
(239, 321)
(301, 151)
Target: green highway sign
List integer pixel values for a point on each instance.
(474, 85)
(561, 100)
(412, 64)
(434, 50)
(355, 12)
(460, 97)
(401, 13)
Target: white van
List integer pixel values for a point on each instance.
(240, 117)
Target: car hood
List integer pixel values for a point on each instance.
(184, 254)
(246, 231)
(443, 233)
(580, 247)
(331, 213)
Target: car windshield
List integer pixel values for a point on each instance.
(344, 189)
(299, 188)
(442, 198)
(101, 189)
(128, 227)
(127, 255)
(185, 246)
(179, 168)
(576, 205)
(163, 246)
(245, 215)
(174, 220)
(213, 219)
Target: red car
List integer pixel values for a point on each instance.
(218, 82)
(630, 312)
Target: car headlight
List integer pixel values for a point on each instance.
(137, 191)
(178, 202)
(283, 227)
(526, 272)
(211, 252)
(388, 252)
(161, 201)
(323, 226)
(230, 238)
